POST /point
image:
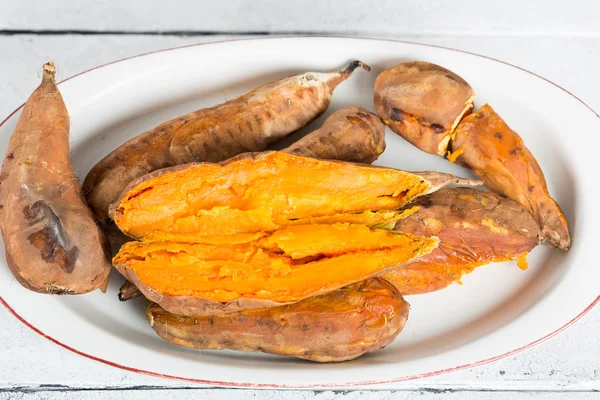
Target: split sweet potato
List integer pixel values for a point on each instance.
(422, 102)
(247, 123)
(412, 98)
(53, 244)
(486, 145)
(340, 325)
(264, 230)
(254, 193)
(350, 134)
(474, 228)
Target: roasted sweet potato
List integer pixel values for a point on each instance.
(340, 325)
(486, 145)
(349, 134)
(53, 244)
(282, 267)
(254, 193)
(413, 97)
(422, 102)
(261, 230)
(474, 228)
(247, 123)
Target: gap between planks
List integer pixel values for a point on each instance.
(356, 33)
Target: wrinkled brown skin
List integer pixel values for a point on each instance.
(422, 102)
(53, 244)
(497, 154)
(474, 228)
(248, 123)
(350, 134)
(338, 326)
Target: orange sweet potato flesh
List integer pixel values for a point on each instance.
(422, 102)
(474, 228)
(486, 145)
(253, 193)
(284, 266)
(350, 134)
(53, 244)
(337, 326)
(248, 123)
(265, 229)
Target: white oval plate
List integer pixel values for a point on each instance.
(498, 311)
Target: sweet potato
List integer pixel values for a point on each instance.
(53, 244)
(486, 145)
(337, 326)
(474, 228)
(261, 230)
(422, 102)
(349, 134)
(247, 123)
(254, 193)
(412, 98)
(282, 267)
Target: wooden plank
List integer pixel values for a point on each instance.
(384, 17)
(212, 394)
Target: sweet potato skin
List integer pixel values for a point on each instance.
(422, 102)
(53, 244)
(247, 123)
(486, 145)
(474, 228)
(337, 326)
(350, 134)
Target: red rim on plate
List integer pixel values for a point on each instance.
(328, 386)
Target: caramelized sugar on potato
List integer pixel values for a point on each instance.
(338, 326)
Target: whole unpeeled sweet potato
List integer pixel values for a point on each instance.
(247, 123)
(349, 134)
(53, 244)
(340, 325)
(474, 228)
(264, 230)
(486, 145)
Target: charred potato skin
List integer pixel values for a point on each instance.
(422, 102)
(474, 228)
(53, 244)
(486, 145)
(337, 326)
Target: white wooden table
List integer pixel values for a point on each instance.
(556, 39)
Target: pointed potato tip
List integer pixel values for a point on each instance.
(355, 64)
